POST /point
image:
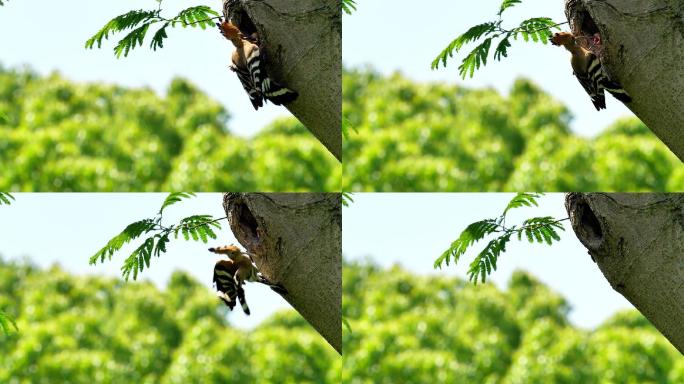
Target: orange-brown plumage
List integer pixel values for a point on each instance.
(231, 32)
(228, 288)
(588, 69)
(227, 250)
(245, 270)
(248, 64)
(563, 38)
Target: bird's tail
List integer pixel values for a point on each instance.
(243, 301)
(617, 91)
(599, 100)
(254, 94)
(230, 303)
(276, 93)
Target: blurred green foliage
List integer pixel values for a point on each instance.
(79, 329)
(410, 136)
(438, 329)
(56, 135)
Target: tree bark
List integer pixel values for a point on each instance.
(303, 41)
(637, 240)
(296, 240)
(643, 49)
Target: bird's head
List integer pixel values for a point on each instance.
(563, 38)
(228, 250)
(230, 31)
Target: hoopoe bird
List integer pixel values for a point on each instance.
(230, 275)
(248, 64)
(589, 71)
(227, 289)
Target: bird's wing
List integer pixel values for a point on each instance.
(253, 92)
(596, 93)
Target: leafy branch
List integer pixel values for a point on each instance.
(140, 21)
(347, 199)
(537, 29)
(2, 2)
(346, 324)
(536, 229)
(5, 198)
(7, 323)
(348, 6)
(197, 228)
(346, 127)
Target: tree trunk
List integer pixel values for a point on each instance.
(637, 240)
(643, 49)
(297, 242)
(303, 41)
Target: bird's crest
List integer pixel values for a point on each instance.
(226, 249)
(230, 31)
(562, 38)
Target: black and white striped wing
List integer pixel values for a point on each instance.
(597, 95)
(248, 84)
(272, 91)
(227, 288)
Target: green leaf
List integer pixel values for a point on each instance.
(473, 233)
(347, 199)
(131, 232)
(210, 232)
(140, 21)
(161, 245)
(121, 23)
(6, 322)
(348, 6)
(528, 234)
(546, 234)
(194, 234)
(198, 227)
(158, 38)
(5, 198)
(507, 4)
(542, 229)
(130, 41)
(502, 48)
(536, 229)
(523, 200)
(539, 29)
(174, 198)
(475, 58)
(346, 324)
(346, 127)
(137, 261)
(455, 46)
(200, 16)
(537, 235)
(485, 262)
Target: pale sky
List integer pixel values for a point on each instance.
(409, 229)
(406, 35)
(50, 36)
(414, 229)
(67, 229)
